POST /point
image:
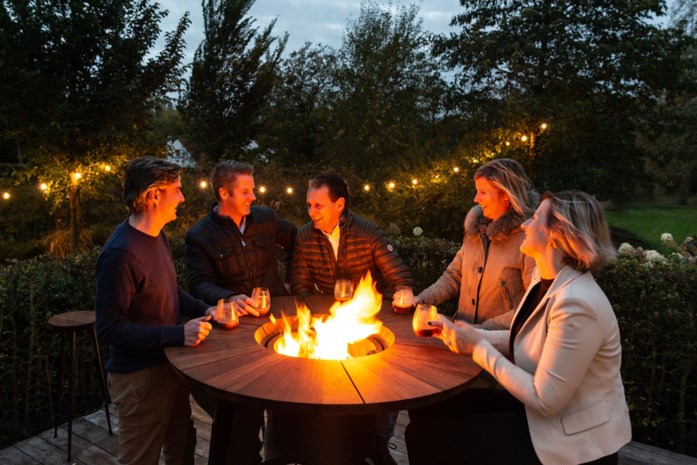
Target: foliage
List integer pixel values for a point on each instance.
(584, 68)
(31, 291)
(296, 119)
(656, 310)
(78, 87)
(388, 89)
(233, 71)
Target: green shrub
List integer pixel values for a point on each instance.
(31, 291)
(656, 306)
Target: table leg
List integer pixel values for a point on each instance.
(71, 388)
(220, 433)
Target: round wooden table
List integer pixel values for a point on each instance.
(232, 366)
(413, 372)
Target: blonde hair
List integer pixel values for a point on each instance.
(576, 221)
(509, 176)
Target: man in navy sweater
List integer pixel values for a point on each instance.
(138, 306)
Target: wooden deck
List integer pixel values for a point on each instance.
(92, 445)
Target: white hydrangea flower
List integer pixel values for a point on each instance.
(418, 231)
(625, 250)
(653, 256)
(667, 238)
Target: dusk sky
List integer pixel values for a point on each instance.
(316, 21)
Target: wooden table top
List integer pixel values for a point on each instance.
(73, 320)
(413, 372)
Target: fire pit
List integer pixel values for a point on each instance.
(238, 366)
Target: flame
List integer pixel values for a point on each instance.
(329, 336)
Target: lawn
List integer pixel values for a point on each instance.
(650, 221)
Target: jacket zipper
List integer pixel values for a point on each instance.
(485, 246)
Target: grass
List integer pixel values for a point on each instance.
(649, 221)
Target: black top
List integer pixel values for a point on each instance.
(534, 297)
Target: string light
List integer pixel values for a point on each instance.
(391, 185)
(76, 176)
(543, 126)
(43, 187)
(289, 190)
(524, 138)
(456, 169)
(203, 184)
(366, 187)
(6, 195)
(107, 168)
(262, 189)
(414, 182)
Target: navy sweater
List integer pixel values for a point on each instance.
(138, 302)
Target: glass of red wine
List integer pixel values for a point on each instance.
(422, 315)
(403, 301)
(343, 290)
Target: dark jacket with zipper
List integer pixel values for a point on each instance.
(362, 247)
(222, 262)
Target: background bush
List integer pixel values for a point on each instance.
(655, 306)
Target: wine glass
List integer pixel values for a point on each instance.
(226, 314)
(262, 300)
(422, 315)
(343, 290)
(403, 301)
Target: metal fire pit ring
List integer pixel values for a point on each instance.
(269, 334)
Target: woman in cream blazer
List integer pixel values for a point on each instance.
(566, 353)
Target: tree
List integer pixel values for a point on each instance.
(299, 108)
(234, 70)
(387, 92)
(586, 68)
(79, 82)
(671, 139)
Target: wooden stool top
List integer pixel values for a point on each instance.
(73, 320)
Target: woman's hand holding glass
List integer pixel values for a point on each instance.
(460, 337)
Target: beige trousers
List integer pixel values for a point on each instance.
(154, 414)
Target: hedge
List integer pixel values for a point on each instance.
(655, 305)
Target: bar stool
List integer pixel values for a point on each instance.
(70, 323)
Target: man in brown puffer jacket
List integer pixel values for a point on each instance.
(337, 244)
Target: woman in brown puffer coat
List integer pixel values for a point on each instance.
(489, 272)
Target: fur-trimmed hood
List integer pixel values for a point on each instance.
(476, 222)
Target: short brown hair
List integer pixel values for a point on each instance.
(225, 174)
(577, 223)
(145, 174)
